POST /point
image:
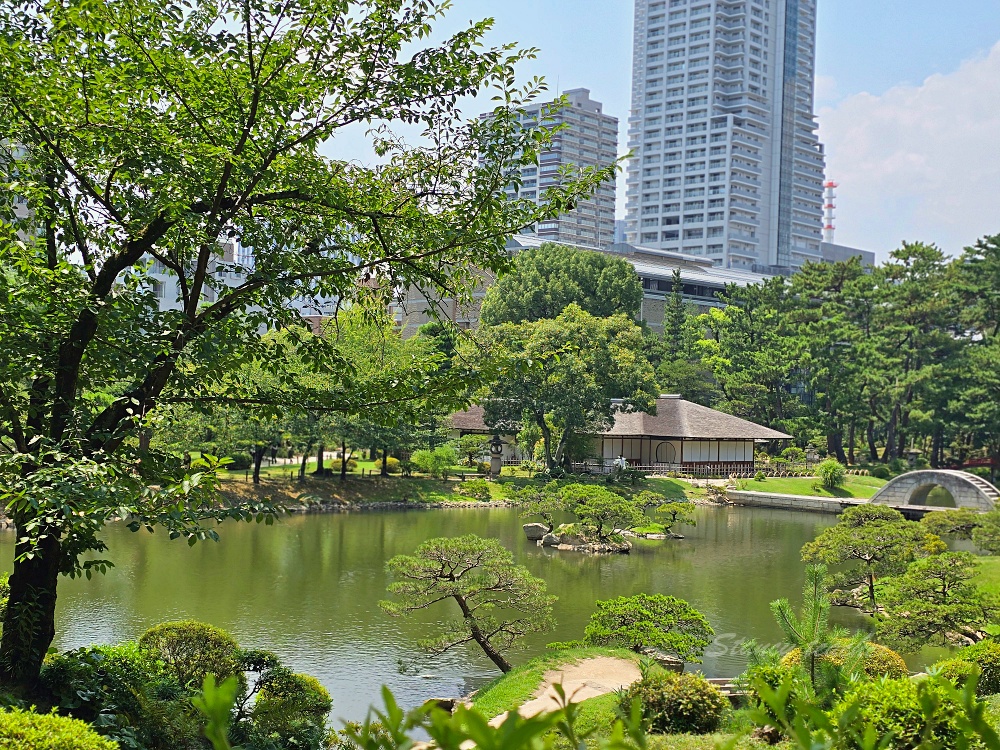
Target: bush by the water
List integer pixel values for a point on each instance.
(26, 730)
(190, 650)
(879, 661)
(957, 672)
(897, 707)
(139, 694)
(832, 473)
(986, 656)
(391, 465)
(676, 703)
(477, 489)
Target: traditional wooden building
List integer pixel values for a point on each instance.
(679, 436)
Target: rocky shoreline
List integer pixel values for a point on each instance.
(346, 507)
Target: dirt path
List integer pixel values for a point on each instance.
(585, 679)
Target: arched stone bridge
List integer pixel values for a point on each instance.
(912, 488)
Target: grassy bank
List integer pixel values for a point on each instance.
(509, 691)
(855, 487)
(989, 574)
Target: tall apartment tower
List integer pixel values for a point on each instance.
(726, 159)
(590, 139)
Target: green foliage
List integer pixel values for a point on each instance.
(26, 730)
(986, 656)
(391, 465)
(498, 602)
(832, 473)
(124, 690)
(794, 454)
(544, 281)
(4, 594)
(190, 650)
(876, 660)
(472, 448)
(290, 711)
(958, 672)
(671, 514)
(654, 621)
(540, 502)
(760, 476)
(568, 376)
(437, 462)
(477, 489)
(936, 602)
(604, 511)
(676, 703)
(868, 543)
(986, 535)
(239, 462)
(336, 465)
(880, 471)
(960, 522)
(215, 703)
(900, 708)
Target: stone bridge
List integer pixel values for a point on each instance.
(912, 488)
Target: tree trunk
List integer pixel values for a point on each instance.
(561, 448)
(851, 443)
(343, 460)
(479, 637)
(258, 458)
(835, 445)
(546, 440)
(870, 438)
(29, 626)
(384, 472)
(319, 460)
(890, 435)
(302, 465)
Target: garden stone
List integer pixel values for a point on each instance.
(535, 531)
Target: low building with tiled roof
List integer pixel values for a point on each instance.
(680, 435)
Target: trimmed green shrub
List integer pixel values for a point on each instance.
(895, 706)
(676, 703)
(127, 691)
(832, 473)
(986, 656)
(26, 730)
(334, 466)
(793, 453)
(239, 462)
(881, 661)
(190, 650)
(774, 677)
(957, 671)
(391, 465)
(290, 712)
(477, 489)
(880, 471)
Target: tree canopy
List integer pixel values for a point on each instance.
(498, 602)
(545, 281)
(655, 621)
(190, 138)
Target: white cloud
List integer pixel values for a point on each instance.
(918, 162)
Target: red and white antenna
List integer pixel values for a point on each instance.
(829, 204)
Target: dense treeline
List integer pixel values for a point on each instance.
(866, 362)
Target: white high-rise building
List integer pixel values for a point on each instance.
(589, 139)
(726, 159)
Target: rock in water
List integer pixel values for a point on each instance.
(535, 531)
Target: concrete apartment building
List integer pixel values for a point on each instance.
(727, 164)
(590, 139)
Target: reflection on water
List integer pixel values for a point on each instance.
(308, 589)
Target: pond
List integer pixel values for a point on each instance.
(308, 588)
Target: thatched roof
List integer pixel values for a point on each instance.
(674, 418)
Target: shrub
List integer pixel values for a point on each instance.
(773, 677)
(895, 706)
(957, 671)
(832, 473)
(880, 661)
(190, 650)
(675, 703)
(126, 691)
(391, 465)
(26, 730)
(897, 466)
(794, 454)
(290, 711)
(436, 462)
(334, 466)
(759, 476)
(477, 489)
(240, 462)
(986, 656)
(880, 471)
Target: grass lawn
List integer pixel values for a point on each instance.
(859, 487)
(509, 691)
(989, 574)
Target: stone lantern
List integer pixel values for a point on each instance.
(496, 456)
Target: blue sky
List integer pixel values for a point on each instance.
(889, 130)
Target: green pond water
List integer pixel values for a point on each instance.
(308, 588)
